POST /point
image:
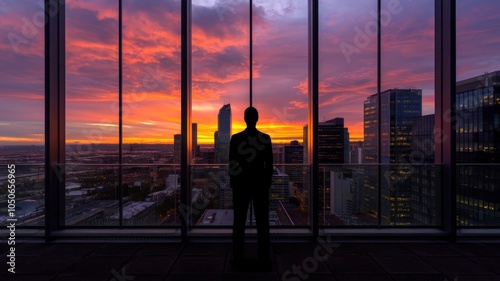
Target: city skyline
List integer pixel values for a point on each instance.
(220, 66)
(350, 193)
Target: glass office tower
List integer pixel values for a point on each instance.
(478, 138)
(223, 135)
(399, 108)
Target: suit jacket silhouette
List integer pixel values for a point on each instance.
(250, 159)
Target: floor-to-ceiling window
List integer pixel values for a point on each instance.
(376, 130)
(91, 195)
(220, 94)
(280, 93)
(22, 136)
(410, 186)
(137, 186)
(347, 129)
(151, 112)
(376, 114)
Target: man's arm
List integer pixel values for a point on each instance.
(233, 167)
(231, 149)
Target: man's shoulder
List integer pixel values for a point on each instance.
(237, 135)
(264, 135)
(244, 134)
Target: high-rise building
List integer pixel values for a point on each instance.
(425, 176)
(399, 108)
(333, 142)
(294, 154)
(278, 154)
(356, 152)
(280, 189)
(333, 148)
(223, 134)
(342, 195)
(225, 191)
(478, 139)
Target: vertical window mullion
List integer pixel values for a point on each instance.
(55, 92)
(250, 47)
(379, 112)
(120, 112)
(185, 113)
(313, 78)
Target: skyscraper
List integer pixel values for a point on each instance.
(356, 152)
(280, 189)
(333, 148)
(333, 142)
(294, 154)
(342, 196)
(399, 109)
(425, 177)
(477, 139)
(223, 134)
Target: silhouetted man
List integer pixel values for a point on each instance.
(250, 171)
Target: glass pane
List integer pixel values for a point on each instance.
(91, 196)
(407, 113)
(280, 93)
(151, 81)
(287, 207)
(151, 111)
(210, 197)
(151, 195)
(478, 113)
(91, 113)
(91, 82)
(347, 113)
(22, 109)
(220, 83)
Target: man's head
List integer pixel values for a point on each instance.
(251, 116)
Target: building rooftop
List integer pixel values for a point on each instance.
(213, 217)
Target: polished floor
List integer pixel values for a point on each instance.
(292, 261)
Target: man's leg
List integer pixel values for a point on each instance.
(261, 207)
(240, 206)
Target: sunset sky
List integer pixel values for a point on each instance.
(220, 46)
